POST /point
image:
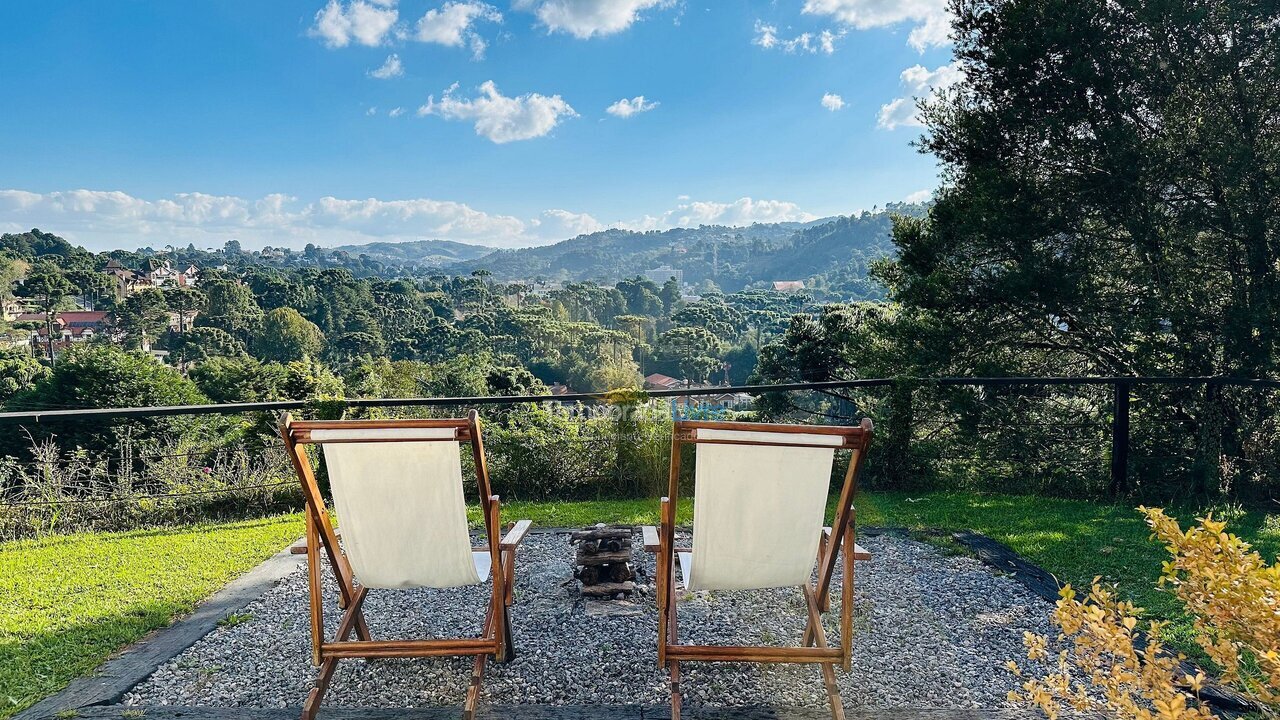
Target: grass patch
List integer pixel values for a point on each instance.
(586, 512)
(67, 602)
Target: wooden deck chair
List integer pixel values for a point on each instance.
(760, 494)
(398, 489)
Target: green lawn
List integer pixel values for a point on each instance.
(67, 602)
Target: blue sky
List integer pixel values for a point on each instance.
(131, 123)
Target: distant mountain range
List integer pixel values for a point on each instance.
(418, 252)
(731, 257)
(831, 254)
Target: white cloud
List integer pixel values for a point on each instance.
(391, 68)
(918, 196)
(743, 211)
(766, 35)
(451, 25)
(930, 20)
(806, 42)
(499, 118)
(396, 112)
(366, 22)
(588, 18)
(105, 219)
(920, 82)
(832, 102)
(561, 224)
(373, 110)
(112, 219)
(827, 41)
(625, 108)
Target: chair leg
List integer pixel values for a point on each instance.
(833, 691)
(509, 575)
(361, 628)
(675, 690)
(815, 635)
(671, 634)
(314, 698)
(509, 638)
(473, 692)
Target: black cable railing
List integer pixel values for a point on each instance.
(1115, 436)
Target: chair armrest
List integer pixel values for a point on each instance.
(859, 552)
(651, 542)
(516, 534)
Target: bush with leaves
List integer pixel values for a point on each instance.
(1111, 668)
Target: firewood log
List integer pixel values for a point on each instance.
(603, 558)
(600, 533)
(609, 589)
(621, 572)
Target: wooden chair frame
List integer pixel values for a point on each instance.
(838, 540)
(495, 639)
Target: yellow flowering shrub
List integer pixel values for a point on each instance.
(1234, 596)
(1104, 667)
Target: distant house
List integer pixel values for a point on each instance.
(68, 328)
(788, 285)
(658, 381)
(127, 281)
(660, 275)
(164, 274)
(542, 289)
(15, 307)
(155, 273)
(182, 321)
(557, 390)
(729, 400)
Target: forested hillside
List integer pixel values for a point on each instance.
(427, 253)
(832, 253)
(831, 256)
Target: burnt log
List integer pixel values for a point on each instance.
(603, 558)
(609, 589)
(601, 533)
(620, 572)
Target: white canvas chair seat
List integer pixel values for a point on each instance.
(758, 509)
(398, 488)
(401, 506)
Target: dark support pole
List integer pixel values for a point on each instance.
(1120, 440)
(899, 468)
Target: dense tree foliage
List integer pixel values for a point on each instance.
(1110, 208)
(1113, 170)
(287, 336)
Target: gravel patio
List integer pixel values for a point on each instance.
(933, 630)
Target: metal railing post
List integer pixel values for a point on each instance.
(1120, 439)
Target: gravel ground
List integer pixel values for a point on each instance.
(931, 630)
